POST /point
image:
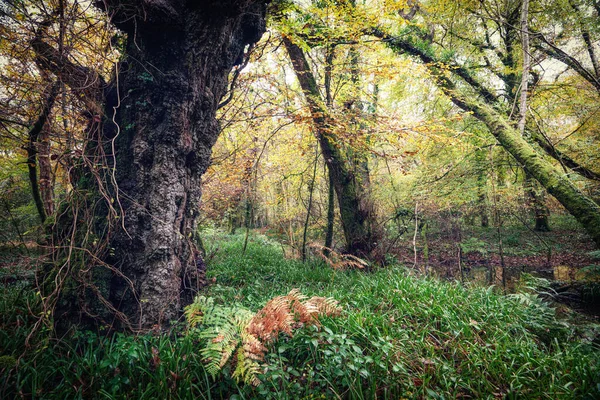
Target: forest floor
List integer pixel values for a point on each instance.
(565, 256)
(400, 335)
(521, 250)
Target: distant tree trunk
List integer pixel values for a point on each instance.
(311, 189)
(330, 211)
(46, 179)
(36, 137)
(482, 200)
(541, 219)
(355, 213)
(536, 202)
(483, 210)
(179, 55)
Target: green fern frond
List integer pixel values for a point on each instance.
(195, 312)
(246, 369)
(227, 329)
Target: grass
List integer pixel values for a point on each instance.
(400, 336)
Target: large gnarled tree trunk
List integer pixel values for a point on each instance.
(171, 90)
(161, 123)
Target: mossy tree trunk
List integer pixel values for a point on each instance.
(584, 209)
(356, 213)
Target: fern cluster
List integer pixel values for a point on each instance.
(229, 330)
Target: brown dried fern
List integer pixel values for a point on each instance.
(251, 335)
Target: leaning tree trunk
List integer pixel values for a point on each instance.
(162, 128)
(356, 213)
(584, 209)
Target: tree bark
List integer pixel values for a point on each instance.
(181, 55)
(355, 213)
(46, 179)
(33, 149)
(158, 133)
(330, 213)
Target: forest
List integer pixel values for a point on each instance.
(299, 199)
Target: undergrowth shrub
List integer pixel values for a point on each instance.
(229, 330)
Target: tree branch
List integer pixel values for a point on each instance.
(87, 82)
(551, 50)
(408, 47)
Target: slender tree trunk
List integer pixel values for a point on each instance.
(33, 149)
(33, 181)
(46, 178)
(536, 202)
(526, 67)
(311, 190)
(482, 200)
(330, 212)
(483, 214)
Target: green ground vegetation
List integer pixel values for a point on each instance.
(400, 335)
